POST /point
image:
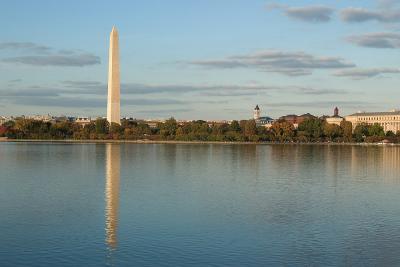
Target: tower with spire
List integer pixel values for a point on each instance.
(256, 113)
(336, 112)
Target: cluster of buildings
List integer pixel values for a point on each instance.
(390, 121)
(268, 121)
(152, 123)
(49, 118)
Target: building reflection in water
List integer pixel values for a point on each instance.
(112, 192)
(380, 162)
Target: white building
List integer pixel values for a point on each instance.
(335, 119)
(83, 120)
(390, 121)
(262, 121)
(45, 118)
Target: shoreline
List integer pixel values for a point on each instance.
(73, 141)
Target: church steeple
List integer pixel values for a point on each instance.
(336, 112)
(256, 112)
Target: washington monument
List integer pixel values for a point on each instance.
(113, 102)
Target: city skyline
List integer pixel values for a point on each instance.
(291, 57)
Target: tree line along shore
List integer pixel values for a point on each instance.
(311, 130)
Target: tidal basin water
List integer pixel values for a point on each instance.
(199, 205)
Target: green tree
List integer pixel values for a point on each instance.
(390, 134)
(235, 127)
(282, 131)
(102, 126)
(115, 128)
(332, 131)
(250, 128)
(61, 130)
(242, 125)
(312, 128)
(360, 132)
(169, 128)
(347, 129)
(115, 131)
(376, 130)
(200, 131)
(9, 124)
(219, 129)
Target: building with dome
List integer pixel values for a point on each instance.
(261, 121)
(335, 119)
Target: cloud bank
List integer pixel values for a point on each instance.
(287, 63)
(376, 40)
(312, 14)
(25, 46)
(357, 15)
(40, 55)
(77, 60)
(366, 73)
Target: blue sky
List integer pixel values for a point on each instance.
(200, 59)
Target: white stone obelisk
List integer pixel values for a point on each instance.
(113, 102)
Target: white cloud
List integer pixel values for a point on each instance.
(287, 63)
(376, 40)
(41, 55)
(313, 14)
(356, 15)
(366, 73)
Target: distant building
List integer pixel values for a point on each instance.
(214, 121)
(256, 113)
(83, 121)
(44, 118)
(261, 121)
(336, 112)
(265, 121)
(3, 120)
(335, 119)
(64, 119)
(130, 119)
(390, 121)
(296, 120)
(152, 124)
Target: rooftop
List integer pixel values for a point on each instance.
(294, 115)
(388, 113)
(265, 118)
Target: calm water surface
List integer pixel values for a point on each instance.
(199, 205)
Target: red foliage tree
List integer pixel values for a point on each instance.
(3, 130)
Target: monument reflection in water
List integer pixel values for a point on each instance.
(112, 193)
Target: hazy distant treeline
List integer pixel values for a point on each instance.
(311, 130)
